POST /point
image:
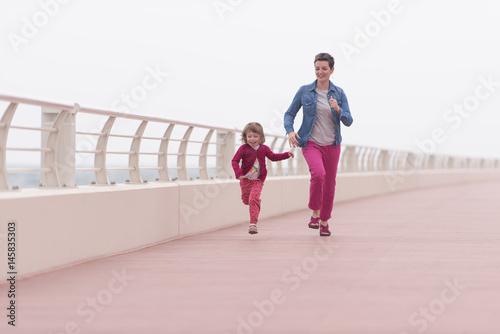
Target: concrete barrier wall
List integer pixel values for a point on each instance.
(64, 226)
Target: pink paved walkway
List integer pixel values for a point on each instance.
(425, 261)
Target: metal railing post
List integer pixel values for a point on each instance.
(413, 161)
(431, 162)
(280, 163)
(59, 148)
(372, 159)
(349, 160)
(133, 158)
(225, 152)
(101, 173)
(203, 156)
(163, 157)
(384, 160)
(4, 131)
(271, 169)
(362, 153)
(181, 158)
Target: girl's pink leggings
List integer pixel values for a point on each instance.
(250, 195)
(322, 162)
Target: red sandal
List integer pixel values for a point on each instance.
(324, 231)
(314, 223)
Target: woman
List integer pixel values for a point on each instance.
(324, 106)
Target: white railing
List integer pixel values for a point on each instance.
(180, 150)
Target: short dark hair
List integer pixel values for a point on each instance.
(253, 127)
(325, 57)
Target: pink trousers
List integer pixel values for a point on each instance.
(250, 195)
(322, 162)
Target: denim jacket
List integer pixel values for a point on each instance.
(306, 98)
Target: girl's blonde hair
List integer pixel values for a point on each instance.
(253, 127)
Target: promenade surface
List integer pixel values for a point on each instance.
(423, 261)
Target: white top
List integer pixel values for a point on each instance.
(324, 129)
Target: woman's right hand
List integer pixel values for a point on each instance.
(292, 139)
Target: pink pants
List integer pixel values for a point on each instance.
(250, 195)
(322, 162)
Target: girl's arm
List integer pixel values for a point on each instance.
(236, 163)
(278, 156)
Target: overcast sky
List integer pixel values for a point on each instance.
(419, 75)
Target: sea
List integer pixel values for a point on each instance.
(32, 180)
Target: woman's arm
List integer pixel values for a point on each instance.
(292, 111)
(345, 112)
(290, 117)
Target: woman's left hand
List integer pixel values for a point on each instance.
(334, 105)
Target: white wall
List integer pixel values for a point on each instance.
(62, 226)
(57, 227)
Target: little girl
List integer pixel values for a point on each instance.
(253, 172)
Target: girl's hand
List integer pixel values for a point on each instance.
(292, 139)
(334, 105)
(241, 178)
(290, 154)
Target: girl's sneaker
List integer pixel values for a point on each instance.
(314, 223)
(324, 231)
(253, 229)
